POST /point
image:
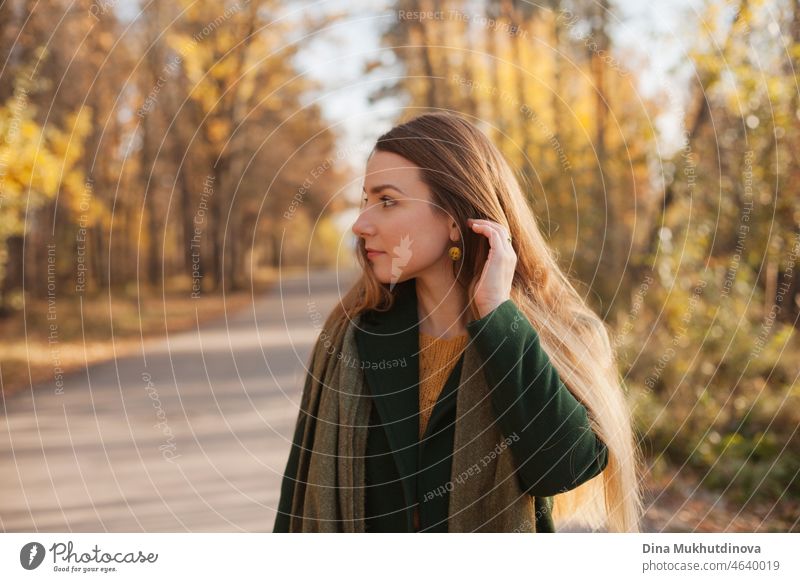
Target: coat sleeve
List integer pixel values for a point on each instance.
(556, 450)
(283, 518)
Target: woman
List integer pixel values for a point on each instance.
(462, 384)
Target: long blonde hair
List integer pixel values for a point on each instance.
(469, 178)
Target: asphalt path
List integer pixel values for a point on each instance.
(190, 434)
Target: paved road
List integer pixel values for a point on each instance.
(191, 435)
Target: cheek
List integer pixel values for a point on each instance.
(412, 240)
(415, 251)
(431, 238)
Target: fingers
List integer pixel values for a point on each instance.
(499, 228)
(488, 232)
(495, 232)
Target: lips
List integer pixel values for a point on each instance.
(373, 253)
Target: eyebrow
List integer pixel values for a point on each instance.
(381, 187)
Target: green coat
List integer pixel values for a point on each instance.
(547, 429)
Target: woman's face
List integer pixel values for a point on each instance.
(399, 221)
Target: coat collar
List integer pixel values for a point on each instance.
(388, 346)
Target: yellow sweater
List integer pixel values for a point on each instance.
(437, 358)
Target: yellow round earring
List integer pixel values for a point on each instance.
(455, 253)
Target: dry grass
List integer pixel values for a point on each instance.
(89, 330)
(675, 503)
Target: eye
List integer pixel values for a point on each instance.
(385, 200)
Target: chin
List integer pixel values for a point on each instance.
(384, 276)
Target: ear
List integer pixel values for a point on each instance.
(455, 232)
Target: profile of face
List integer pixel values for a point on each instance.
(404, 232)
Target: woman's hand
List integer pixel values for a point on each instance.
(494, 285)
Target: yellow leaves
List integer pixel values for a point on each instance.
(47, 175)
(36, 160)
(68, 143)
(218, 130)
(29, 164)
(97, 213)
(189, 55)
(29, 132)
(206, 95)
(794, 51)
(73, 182)
(224, 68)
(177, 41)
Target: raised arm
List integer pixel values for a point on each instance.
(556, 450)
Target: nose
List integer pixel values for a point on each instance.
(363, 226)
